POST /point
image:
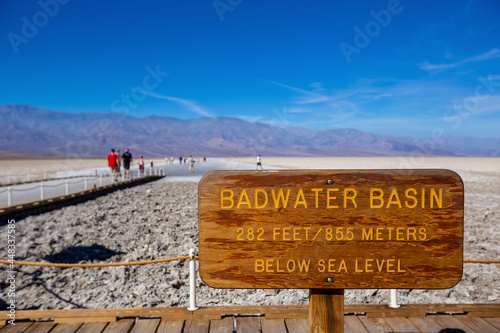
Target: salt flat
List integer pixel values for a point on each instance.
(481, 164)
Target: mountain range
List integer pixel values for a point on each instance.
(27, 129)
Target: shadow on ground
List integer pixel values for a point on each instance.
(76, 254)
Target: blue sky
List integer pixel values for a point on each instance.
(409, 67)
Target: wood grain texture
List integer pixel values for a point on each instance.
(425, 324)
(375, 325)
(494, 321)
(353, 323)
(66, 328)
(145, 325)
(367, 229)
(326, 310)
(170, 326)
(92, 327)
(296, 325)
(224, 325)
(401, 325)
(196, 326)
(478, 324)
(247, 325)
(451, 322)
(273, 325)
(123, 325)
(40, 327)
(17, 328)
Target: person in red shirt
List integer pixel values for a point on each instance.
(114, 164)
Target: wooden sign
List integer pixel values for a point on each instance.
(331, 229)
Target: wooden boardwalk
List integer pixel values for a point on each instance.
(272, 319)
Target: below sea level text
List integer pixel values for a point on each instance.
(368, 265)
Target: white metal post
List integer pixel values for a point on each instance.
(100, 180)
(192, 282)
(86, 183)
(42, 191)
(67, 186)
(9, 196)
(394, 299)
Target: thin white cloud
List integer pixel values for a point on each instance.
(186, 103)
(492, 54)
(471, 105)
(307, 97)
(296, 110)
(250, 119)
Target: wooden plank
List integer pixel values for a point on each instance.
(375, 325)
(297, 325)
(122, 325)
(85, 320)
(17, 328)
(197, 326)
(40, 327)
(66, 328)
(451, 322)
(485, 313)
(346, 329)
(273, 325)
(92, 327)
(289, 312)
(170, 326)
(224, 325)
(354, 324)
(145, 326)
(400, 325)
(247, 324)
(419, 310)
(478, 324)
(494, 321)
(426, 324)
(331, 229)
(84, 313)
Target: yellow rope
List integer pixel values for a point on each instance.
(156, 261)
(44, 264)
(481, 261)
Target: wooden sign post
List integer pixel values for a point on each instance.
(327, 230)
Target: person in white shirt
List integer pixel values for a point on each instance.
(259, 163)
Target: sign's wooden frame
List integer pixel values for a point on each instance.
(331, 229)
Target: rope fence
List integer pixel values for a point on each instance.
(115, 264)
(25, 189)
(156, 261)
(57, 185)
(93, 181)
(77, 182)
(30, 177)
(481, 261)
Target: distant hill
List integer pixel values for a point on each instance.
(31, 130)
(7, 155)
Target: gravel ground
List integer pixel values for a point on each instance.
(159, 220)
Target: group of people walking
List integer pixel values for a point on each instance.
(116, 161)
